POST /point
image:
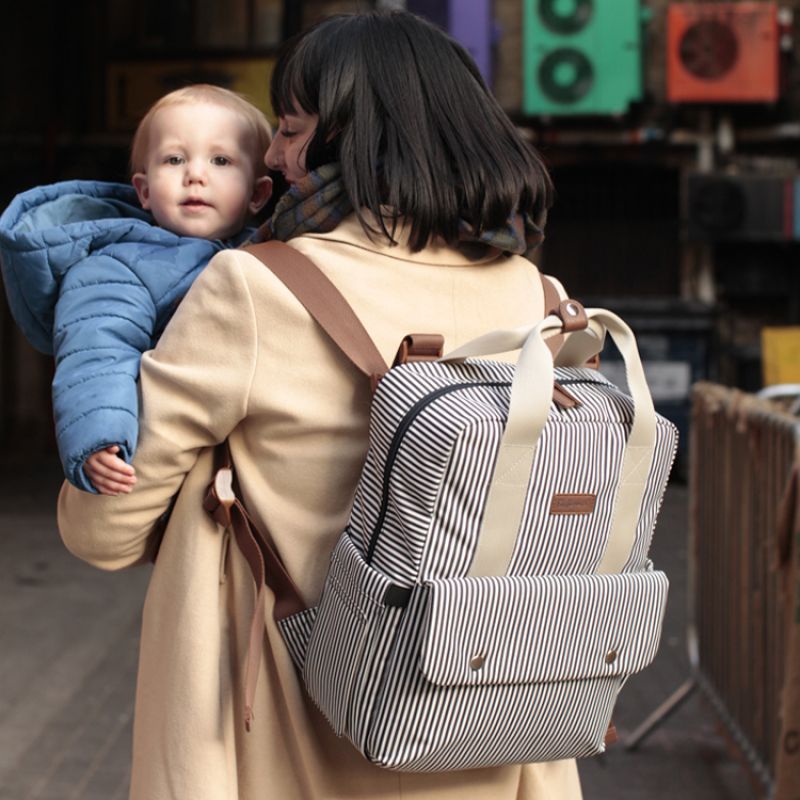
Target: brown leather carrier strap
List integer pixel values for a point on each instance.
(333, 313)
(225, 507)
(325, 303)
(223, 503)
(552, 299)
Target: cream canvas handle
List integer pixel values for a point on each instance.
(531, 396)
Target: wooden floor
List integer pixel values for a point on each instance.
(68, 650)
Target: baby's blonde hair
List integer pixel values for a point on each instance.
(258, 127)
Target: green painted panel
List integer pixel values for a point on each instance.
(581, 56)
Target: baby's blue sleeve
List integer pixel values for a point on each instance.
(104, 321)
(31, 291)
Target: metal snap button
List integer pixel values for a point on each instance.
(611, 656)
(572, 309)
(476, 662)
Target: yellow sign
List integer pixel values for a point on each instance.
(780, 355)
(133, 86)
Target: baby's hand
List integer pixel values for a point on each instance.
(109, 473)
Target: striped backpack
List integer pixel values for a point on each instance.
(491, 592)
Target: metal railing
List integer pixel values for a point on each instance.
(743, 574)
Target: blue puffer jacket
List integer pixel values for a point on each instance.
(92, 280)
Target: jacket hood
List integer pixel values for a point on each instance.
(70, 219)
(46, 230)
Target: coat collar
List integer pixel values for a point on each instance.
(350, 232)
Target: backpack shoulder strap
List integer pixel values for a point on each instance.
(325, 303)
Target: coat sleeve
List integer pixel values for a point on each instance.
(104, 321)
(195, 387)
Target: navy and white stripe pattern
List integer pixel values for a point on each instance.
(470, 672)
(539, 612)
(296, 631)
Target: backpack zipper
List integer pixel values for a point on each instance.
(405, 423)
(573, 381)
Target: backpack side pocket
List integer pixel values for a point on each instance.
(354, 615)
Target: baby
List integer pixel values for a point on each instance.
(93, 276)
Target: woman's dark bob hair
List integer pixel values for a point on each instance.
(404, 110)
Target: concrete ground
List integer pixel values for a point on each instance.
(68, 649)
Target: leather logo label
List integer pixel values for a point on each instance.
(573, 503)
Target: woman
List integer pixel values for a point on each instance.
(409, 188)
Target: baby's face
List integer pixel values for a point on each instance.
(199, 177)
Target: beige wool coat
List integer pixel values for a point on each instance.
(242, 358)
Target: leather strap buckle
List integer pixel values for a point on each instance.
(220, 497)
(572, 315)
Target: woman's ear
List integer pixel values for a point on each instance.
(139, 181)
(262, 191)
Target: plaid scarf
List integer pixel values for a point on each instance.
(319, 202)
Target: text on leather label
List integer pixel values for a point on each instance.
(573, 503)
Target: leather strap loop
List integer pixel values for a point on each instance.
(419, 347)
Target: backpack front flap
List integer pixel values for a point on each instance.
(513, 629)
